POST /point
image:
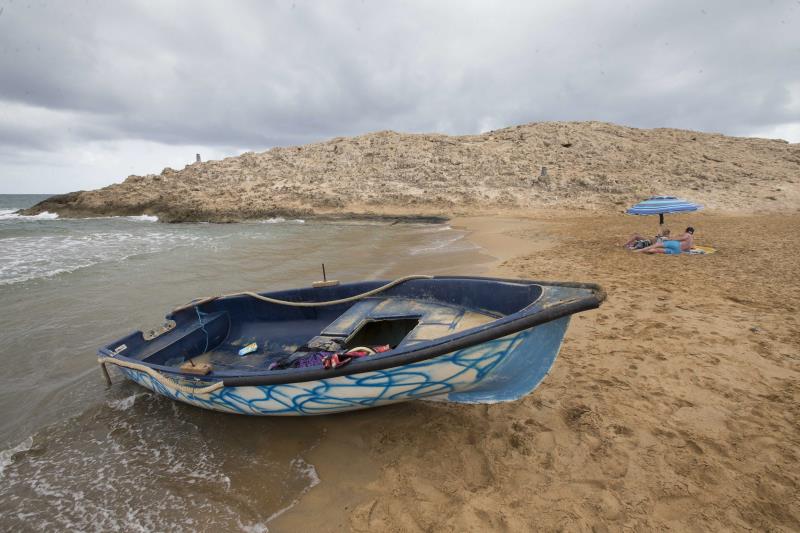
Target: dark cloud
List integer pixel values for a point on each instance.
(256, 74)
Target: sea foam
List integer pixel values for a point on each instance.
(24, 258)
(7, 456)
(11, 214)
(306, 470)
(450, 243)
(281, 220)
(143, 218)
(108, 470)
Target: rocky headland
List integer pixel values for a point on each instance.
(576, 165)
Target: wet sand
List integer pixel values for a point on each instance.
(672, 407)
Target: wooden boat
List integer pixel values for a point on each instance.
(344, 347)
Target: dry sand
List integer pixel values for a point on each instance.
(672, 407)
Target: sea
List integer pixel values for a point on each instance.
(78, 455)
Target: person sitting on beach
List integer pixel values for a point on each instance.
(638, 242)
(683, 243)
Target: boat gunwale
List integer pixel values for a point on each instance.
(508, 325)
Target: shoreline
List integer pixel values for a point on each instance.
(480, 216)
(387, 216)
(344, 216)
(496, 236)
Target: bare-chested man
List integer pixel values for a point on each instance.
(680, 244)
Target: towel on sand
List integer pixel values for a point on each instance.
(701, 250)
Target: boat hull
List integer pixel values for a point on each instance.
(504, 369)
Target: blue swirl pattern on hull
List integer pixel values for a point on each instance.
(447, 377)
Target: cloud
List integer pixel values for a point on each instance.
(258, 74)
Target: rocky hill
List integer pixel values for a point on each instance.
(586, 165)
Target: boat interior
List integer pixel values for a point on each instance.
(208, 336)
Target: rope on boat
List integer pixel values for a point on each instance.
(171, 383)
(161, 378)
(306, 304)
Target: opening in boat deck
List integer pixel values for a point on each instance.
(378, 332)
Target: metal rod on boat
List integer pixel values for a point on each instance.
(323, 283)
(105, 374)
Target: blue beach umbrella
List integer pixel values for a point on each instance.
(659, 205)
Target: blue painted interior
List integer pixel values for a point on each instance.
(225, 325)
(193, 338)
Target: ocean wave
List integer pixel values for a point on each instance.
(123, 404)
(432, 228)
(132, 218)
(306, 470)
(7, 456)
(11, 214)
(108, 470)
(252, 528)
(447, 244)
(280, 220)
(31, 257)
(143, 218)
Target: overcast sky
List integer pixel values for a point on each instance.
(91, 92)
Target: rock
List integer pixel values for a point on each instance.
(427, 175)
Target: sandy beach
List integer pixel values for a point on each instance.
(241, 243)
(672, 407)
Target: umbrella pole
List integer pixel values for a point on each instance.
(661, 223)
